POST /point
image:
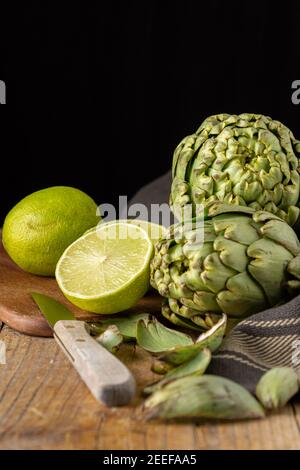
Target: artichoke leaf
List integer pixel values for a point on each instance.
(236, 228)
(179, 321)
(276, 387)
(205, 396)
(156, 338)
(280, 232)
(232, 254)
(171, 311)
(110, 339)
(294, 267)
(126, 325)
(268, 267)
(215, 274)
(202, 302)
(210, 339)
(243, 296)
(218, 208)
(197, 365)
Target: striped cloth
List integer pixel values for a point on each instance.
(267, 339)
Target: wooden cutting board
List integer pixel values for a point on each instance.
(19, 311)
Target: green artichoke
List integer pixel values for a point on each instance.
(248, 160)
(234, 260)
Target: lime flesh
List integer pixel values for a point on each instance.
(106, 270)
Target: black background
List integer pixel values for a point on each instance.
(99, 93)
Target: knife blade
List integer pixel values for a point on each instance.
(108, 379)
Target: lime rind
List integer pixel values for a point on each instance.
(39, 228)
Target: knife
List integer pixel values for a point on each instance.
(107, 378)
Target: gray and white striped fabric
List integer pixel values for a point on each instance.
(267, 339)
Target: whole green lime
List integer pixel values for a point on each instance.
(42, 225)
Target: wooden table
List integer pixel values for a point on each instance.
(45, 405)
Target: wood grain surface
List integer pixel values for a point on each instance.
(45, 405)
(19, 311)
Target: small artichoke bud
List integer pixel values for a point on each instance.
(276, 387)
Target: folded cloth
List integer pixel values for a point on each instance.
(267, 339)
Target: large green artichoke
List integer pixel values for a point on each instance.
(236, 260)
(249, 160)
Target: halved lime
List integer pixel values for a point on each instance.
(106, 270)
(155, 231)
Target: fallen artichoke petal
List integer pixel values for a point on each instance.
(195, 366)
(126, 325)
(211, 339)
(276, 387)
(156, 338)
(111, 338)
(206, 396)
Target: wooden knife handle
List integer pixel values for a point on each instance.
(107, 378)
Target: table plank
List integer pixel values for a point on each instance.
(45, 405)
(296, 410)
